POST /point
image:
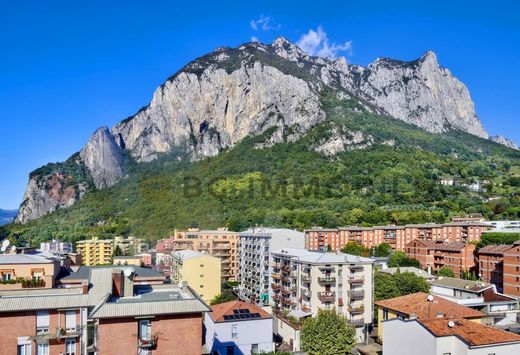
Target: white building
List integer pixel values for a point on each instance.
(443, 336)
(502, 310)
(238, 327)
(499, 225)
(255, 246)
(308, 280)
(56, 247)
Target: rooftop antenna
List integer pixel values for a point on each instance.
(5, 245)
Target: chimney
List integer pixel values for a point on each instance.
(84, 286)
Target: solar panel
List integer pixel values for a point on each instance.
(227, 317)
(236, 311)
(255, 315)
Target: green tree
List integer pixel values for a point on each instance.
(408, 283)
(383, 249)
(354, 248)
(118, 251)
(327, 333)
(446, 272)
(225, 296)
(399, 258)
(384, 286)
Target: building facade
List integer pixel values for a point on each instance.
(397, 236)
(458, 256)
(56, 247)
(28, 270)
(200, 270)
(130, 245)
(309, 281)
(490, 261)
(255, 247)
(95, 251)
(511, 267)
(220, 243)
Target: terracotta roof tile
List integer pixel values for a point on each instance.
(494, 249)
(418, 305)
(472, 333)
(218, 311)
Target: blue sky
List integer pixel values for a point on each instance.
(68, 67)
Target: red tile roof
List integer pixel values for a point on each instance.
(472, 333)
(218, 311)
(417, 304)
(494, 249)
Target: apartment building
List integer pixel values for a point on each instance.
(56, 247)
(220, 243)
(130, 245)
(420, 305)
(200, 270)
(511, 267)
(95, 251)
(458, 256)
(490, 261)
(397, 236)
(28, 270)
(103, 310)
(446, 336)
(307, 281)
(255, 247)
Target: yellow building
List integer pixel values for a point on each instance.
(422, 306)
(127, 260)
(95, 251)
(200, 270)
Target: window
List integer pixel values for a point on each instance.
(6, 276)
(385, 314)
(70, 347)
(24, 349)
(234, 331)
(42, 322)
(145, 329)
(201, 275)
(42, 349)
(201, 286)
(254, 348)
(70, 320)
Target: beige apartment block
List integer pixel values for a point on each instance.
(200, 270)
(131, 245)
(308, 281)
(15, 267)
(95, 251)
(220, 243)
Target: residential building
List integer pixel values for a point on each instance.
(287, 328)
(458, 256)
(130, 245)
(127, 260)
(418, 272)
(504, 225)
(490, 261)
(147, 258)
(502, 310)
(95, 251)
(28, 270)
(511, 267)
(56, 247)
(441, 336)
(308, 281)
(420, 305)
(220, 243)
(103, 310)
(397, 236)
(238, 327)
(254, 252)
(200, 270)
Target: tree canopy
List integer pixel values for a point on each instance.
(399, 258)
(354, 248)
(399, 284)
(446, 272)
(226, 296)
(381, 250)
(327, 333)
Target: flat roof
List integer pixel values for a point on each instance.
(317, 257)
(26, 259)
(411, 269)
(460, 284)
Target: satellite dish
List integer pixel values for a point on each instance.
(451, 324)
(430, 298)
(3, 248)
(13, 248)
(6, 243)
(128, 272)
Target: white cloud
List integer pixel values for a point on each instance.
(317, 43)
(254, 39)
(264, 23)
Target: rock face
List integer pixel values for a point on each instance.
(224, 96)
(46, 195)
(340, 141)
(504, 141)
(104, 158)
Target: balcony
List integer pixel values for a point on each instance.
(287, 301)
(286, 291)
(276, 266)
(306, 278)
(276, 287)
(286, 268)
(326, 296)
(275, 276)
(327, 280)
(277, 298)
(356, 267)
(356, 309)
(356, 294)
(326, 268)
(357, 280)
(286, 279)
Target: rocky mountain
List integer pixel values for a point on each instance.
(504, 141)
(219, 99)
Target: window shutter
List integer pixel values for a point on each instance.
(70, 319)
(42, 319)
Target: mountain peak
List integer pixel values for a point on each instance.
(281, 41)
(285, 49)
(429, 57)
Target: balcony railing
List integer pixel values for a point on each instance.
(356, 267)
(327, 296)
(286, 291)
(326, 268)
(147, 343)
(356, 310)
(276, 287)
(356, 294)
(327, 280)
(306, 278)
(357, 280)
(275, 276)
(357, 322)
